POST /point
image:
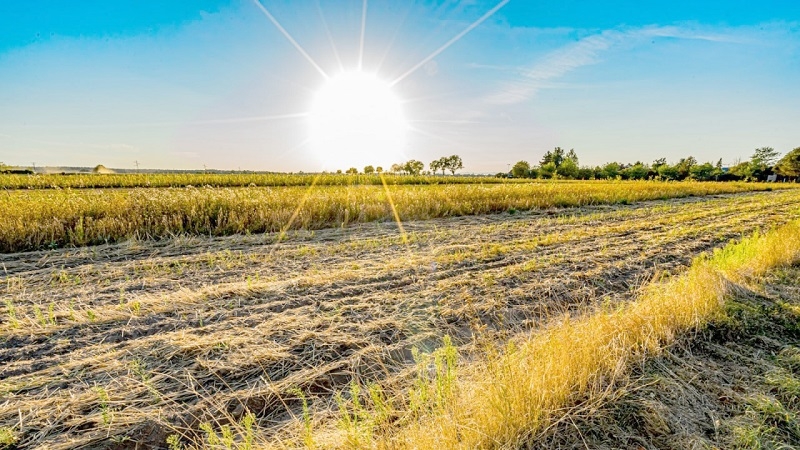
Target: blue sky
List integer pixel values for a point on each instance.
(215, 83)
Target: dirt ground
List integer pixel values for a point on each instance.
(118, 346)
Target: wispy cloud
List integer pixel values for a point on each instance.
(586, 51)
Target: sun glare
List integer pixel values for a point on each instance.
(357, 120)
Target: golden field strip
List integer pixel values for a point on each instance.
(37, 219)
(155, 180)
(133, 342)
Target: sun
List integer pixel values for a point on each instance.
(356, 120)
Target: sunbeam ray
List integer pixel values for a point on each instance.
(330, 37)
(402, 23)
(452, 41)
(396, 215)
(290, 38)
(363, 32)
(288, 226)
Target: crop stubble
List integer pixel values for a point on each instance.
(145, 333)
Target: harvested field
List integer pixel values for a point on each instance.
(113, 345)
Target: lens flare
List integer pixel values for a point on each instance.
(356, 119)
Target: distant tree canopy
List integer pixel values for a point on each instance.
(411, 167)
(568, 167)
(437, 165)
(765, 156)
(559, 163)
(453, 163)
(352, 171)
(555, 157)
(521, 169)
(789, 165)
(369, 170)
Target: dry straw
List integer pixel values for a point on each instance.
(506, 400)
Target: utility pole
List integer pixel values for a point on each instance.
(34, 167)
(137, 166)
(205, 168)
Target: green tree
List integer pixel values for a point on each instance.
(744, 170)
(414, 167)
(352, 171)
(684, 167)
(454, 163)
(585, 173)
(547, 170)
(568, 168)
(397, 168)
(437, 165)
(761, 163)
(611, 170)
(369, 169)
(765, 156)
(379, 169)
(667, 172)
(521, 169)
(638, 171)
(702, 172)
(789, 165)
(572, 156)
(556, 157)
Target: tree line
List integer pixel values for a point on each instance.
(452, 164)
(764, 162)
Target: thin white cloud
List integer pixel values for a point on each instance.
(587, 51)
(689, 33)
